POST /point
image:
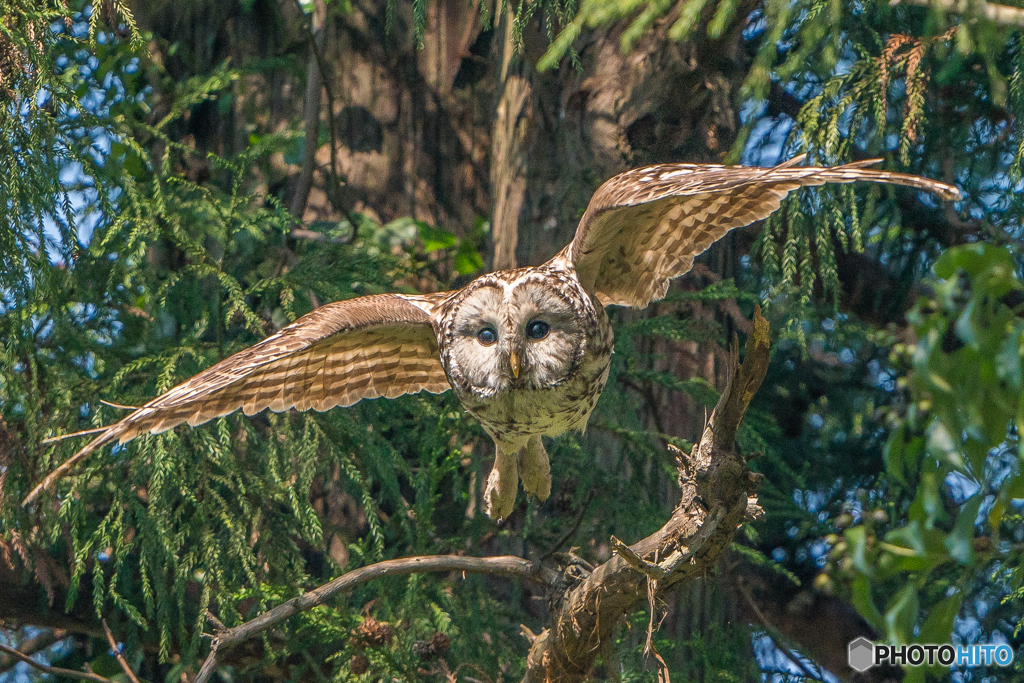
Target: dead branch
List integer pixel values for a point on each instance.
(55, 670)
(716, 491)
(506, 565)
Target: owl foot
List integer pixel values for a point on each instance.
(502, 485)
(535, 469)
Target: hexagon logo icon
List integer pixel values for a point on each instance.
(861, 654)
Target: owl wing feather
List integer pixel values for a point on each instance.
(645, 226)
(341, 353)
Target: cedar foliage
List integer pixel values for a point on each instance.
(131, 260)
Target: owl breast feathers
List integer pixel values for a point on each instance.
(526, 351)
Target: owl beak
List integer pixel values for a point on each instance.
(513, 360)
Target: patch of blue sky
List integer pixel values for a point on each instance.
(808, 500)
(22, 672)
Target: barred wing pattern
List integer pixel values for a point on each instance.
(374, 346)
(645, 226)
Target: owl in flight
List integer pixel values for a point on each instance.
(527, 350)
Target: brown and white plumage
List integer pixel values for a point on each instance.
(645, 226)
(641, 229)
(370, 347)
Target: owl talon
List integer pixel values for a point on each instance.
(535, 469)
(555, 340)
(502, 485)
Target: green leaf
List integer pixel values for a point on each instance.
(915, 548)
(901, 616)
(863, 601)
(105, 665)
(914, 674)
(856, 538)
(973, 259)
(1014, 485)
(1008, 364)
(943, 447)
(434, 239)
(133, 165)
(927, 507)
(939, 624)
(960, 541)
(965, 326)
(467, 259)
(892, 455)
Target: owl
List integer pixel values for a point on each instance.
(526, 351)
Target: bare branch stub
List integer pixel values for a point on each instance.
(717, 492)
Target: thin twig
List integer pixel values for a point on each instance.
(55, 670)
(649, 569)
(307, 234)
(51, 439)
(30, 646)
(572, 532)
(335, 179)
(312, 115)
(218, 625)
(774, 634)
(314, 667)
(505, 565)
(117, 653)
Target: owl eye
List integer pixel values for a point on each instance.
(487, 336)
(538, 329)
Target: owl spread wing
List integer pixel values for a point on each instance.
(373, 346)
(645, 226)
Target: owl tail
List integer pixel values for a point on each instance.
(530, 462)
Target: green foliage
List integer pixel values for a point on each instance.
(872, 80)
(131, 261)
(955, 446)
(186, 259)
(173, 275)
(48, 119)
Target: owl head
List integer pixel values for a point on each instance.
(509, 331)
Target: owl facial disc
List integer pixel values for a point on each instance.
(517, 331)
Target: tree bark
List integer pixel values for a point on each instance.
(508, 166)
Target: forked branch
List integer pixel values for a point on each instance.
(717, 494)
